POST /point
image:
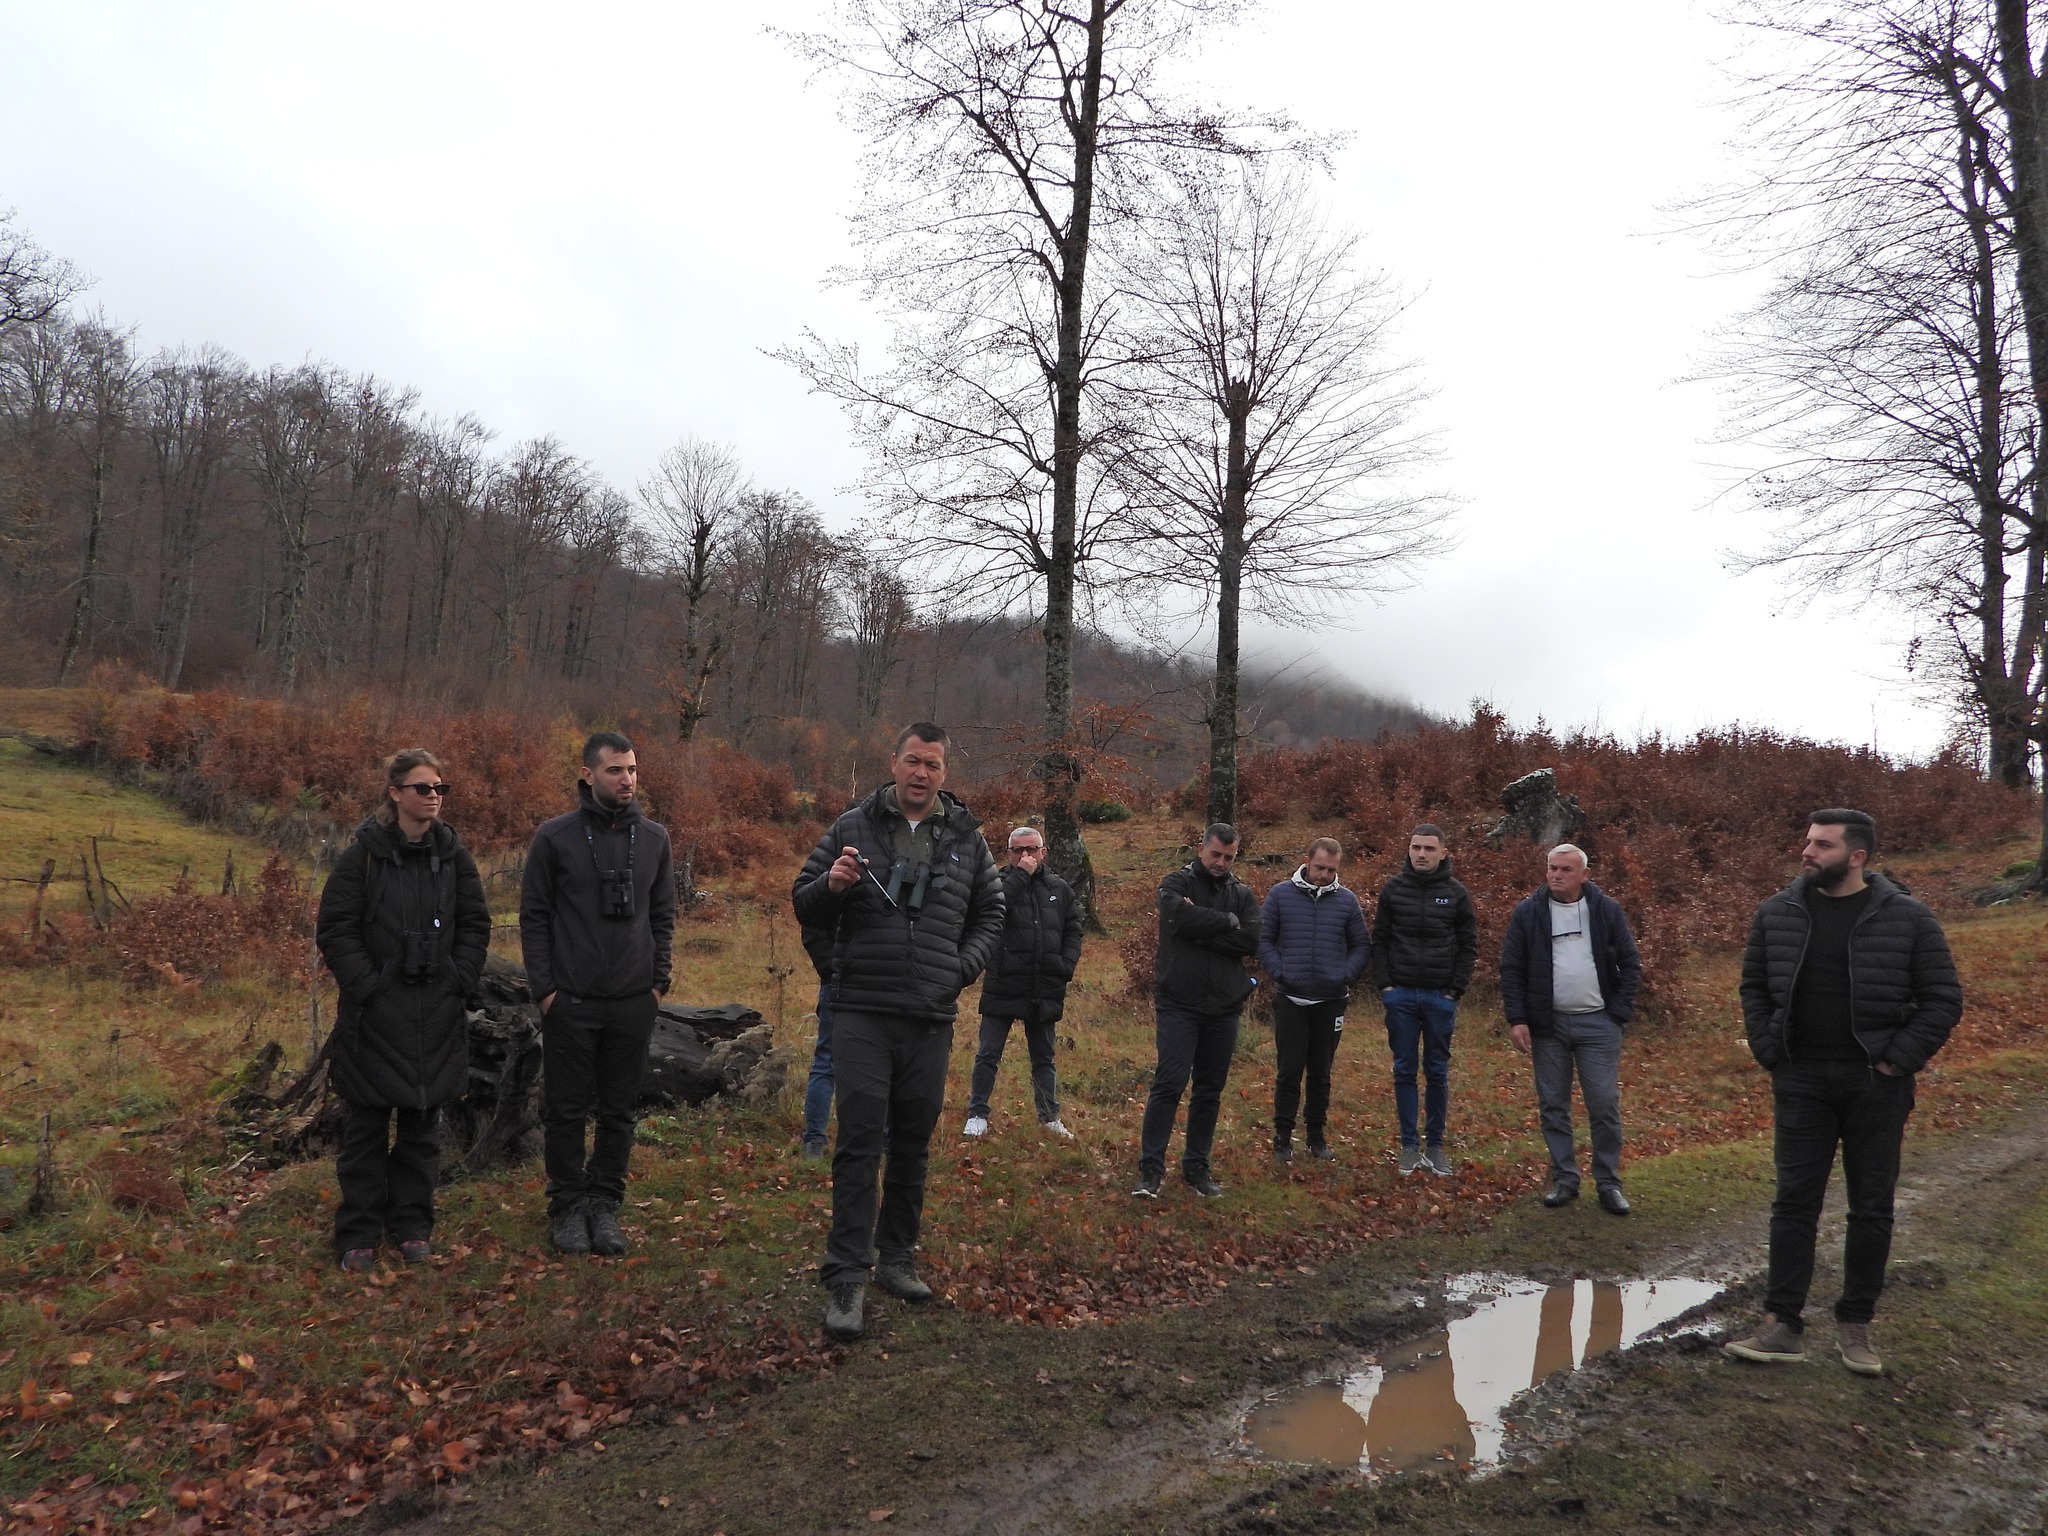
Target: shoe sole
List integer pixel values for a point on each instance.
(1859, 1369)
(843, 1335)
(1762, 1356)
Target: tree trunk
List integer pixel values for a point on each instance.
(83, 609)
(1229, 593)
(1059, 770)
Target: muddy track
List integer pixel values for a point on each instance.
(1089, 1486)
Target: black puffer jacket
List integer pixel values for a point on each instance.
(569, 944)
(1041, 945)
(1208, 924)
(1424, 932)
(1904, 996)
(884, 959)
(398, 1043)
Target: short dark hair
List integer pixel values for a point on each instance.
(1220, 832)
(603, 741)
(925, 731)
(1859, 828)
(1428, 829)
(1328, 845)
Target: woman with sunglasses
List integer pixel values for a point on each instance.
(404, 928)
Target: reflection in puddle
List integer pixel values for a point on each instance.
(1440, 1398)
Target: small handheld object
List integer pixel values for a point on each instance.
(869, 870)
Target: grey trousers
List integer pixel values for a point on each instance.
(1590, 1044)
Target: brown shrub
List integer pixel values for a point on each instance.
(182, 938)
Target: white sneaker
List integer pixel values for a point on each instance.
(1058, 1129)
(977, 1125)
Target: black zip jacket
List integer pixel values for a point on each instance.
(402, 1043)
(1203, 945)
(887, 959)
(1041, 945)
(1527, 982)
(1424, 932)
(570, 946)
(1904, 995)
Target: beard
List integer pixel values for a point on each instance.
(1828, 877)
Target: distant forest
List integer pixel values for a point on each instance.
(310, 532)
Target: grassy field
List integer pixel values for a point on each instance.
(174, 1344)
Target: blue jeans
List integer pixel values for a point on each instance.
(1589, 1044)
(818, 1091)
(1419, 1023)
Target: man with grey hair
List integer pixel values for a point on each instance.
(1568, 977)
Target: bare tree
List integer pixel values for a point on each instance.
(191, 405)
(451, 480)
(34, 285)
(537, 498)
(102, 394)
(377, 442)
(778, 566)
(596, 540)
(879, 617)
(295, 444)
(1271, 432)
(1004, 138)
(689, 501)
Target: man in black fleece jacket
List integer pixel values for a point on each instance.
(907, 887)
(1848, 989)
(1425, 942)
(597, 912)
(1208, 925)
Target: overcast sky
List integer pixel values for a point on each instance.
(590, 220)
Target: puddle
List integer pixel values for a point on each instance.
(1441, 1399)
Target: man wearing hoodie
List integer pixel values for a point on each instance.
(597, 912)
(1848, 990)
(1425, 942)
(1568, 977)
(1208, 926)
(1313, 947)
(907, 888)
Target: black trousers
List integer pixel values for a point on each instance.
(888, 1086)
(1191, 1045)
(386, 1182)
(1304, 1040)
(1038, 1040)
(593, 1055)
(1818, 1106)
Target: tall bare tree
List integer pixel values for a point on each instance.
(689, 502)
(34, 284)
(1271, 436)
(1004, 138)
(879, 617)
(451, 480)
(537, 499)
(102, 392)
(191, 405)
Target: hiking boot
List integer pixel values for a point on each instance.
(1283, 1151)
(605, 1236)
(843, 1319)
(1775, 1343)
(1437, 1163)
(814, 1147)
(1200, 1182)
(416, 1250)
(1560, 1193)
(570, 1232)
(901, 1281)
(1058, 1129)
(1411, 1161)
(1613, 1201)
(1148, 1187)
(1320, 1151)
(359, 1260)
(1853, 1342)
(977, 1125)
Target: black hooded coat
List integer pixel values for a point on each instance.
(402, 1043)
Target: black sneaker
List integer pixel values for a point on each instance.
(1148, 1187)
(843, 1311)
(901, 1281)
(605, 1236)
(814, 1147)
(1202, 1184)
(1283, 1152)
(570, 1232)
(1320, 1151)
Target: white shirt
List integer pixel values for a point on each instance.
(1574, 979)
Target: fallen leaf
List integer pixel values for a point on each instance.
(879, 1515)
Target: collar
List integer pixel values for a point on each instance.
(625, 815)
(936, 813)
(1318, 891)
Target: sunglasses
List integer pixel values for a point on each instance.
(429, 789)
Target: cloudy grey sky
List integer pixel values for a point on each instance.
(590, 220)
